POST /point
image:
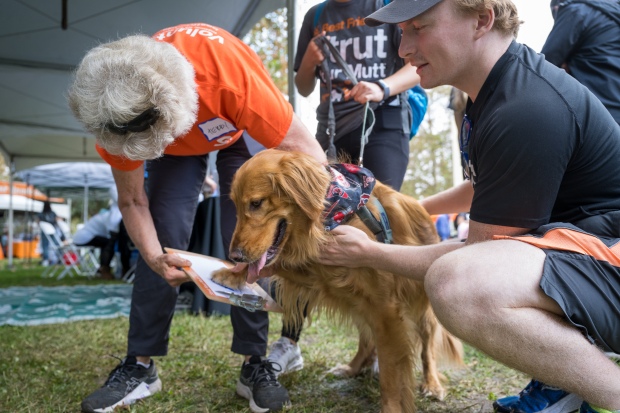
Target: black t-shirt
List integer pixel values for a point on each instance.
(371, 52)
(543, 147)
(588, 41)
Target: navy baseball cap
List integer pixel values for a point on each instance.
(398, 11)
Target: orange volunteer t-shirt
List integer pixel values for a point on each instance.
(235, 93)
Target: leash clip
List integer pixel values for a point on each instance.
(249, 302)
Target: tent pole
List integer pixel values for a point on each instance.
(291, 17)
(85, 213)
(10, 239)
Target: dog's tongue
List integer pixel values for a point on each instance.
(255, 267)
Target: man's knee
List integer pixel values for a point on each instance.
(443, 284)
(455, 295)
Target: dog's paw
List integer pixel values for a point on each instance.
(436, 392)
(342, 370)
(229, 279)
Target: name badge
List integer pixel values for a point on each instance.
(215, 128)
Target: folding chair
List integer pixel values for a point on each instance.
(89, 259)
(68, 255)
(129, 276)
(65, 228)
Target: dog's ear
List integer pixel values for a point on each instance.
(304, 180)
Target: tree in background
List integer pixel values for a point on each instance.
(268, 38)
(4, 169)
(430, 159)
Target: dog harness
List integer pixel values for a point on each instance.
(348, 193)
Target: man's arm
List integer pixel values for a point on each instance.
(453, 200)
(134, 206)
(351, 247)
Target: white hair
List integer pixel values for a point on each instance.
(117, 81)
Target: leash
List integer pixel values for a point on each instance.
(379, 227)
(328, 49)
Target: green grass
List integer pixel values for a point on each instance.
(51, 368)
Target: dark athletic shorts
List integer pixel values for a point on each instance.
(582, 274)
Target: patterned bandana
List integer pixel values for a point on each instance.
(349, 191)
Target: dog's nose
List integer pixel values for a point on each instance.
(236, 255)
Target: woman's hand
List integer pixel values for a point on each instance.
(168, 267)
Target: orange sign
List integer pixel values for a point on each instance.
(29, 191)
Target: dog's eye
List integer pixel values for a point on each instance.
(254, 205)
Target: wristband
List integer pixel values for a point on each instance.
(385, 88)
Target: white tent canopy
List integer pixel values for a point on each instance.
(25, 204)
(71, 179)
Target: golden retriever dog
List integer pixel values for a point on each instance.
(280, 199)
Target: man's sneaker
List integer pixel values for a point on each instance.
(586, 408)
(127, 383)
(258, 383)
(287, 355)
(537, 397)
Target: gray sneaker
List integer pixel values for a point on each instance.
(286, 355)
(127, 383)
(258, 384)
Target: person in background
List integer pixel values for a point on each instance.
(536, 285)
(49, 216)
(383, 79)
(457, 103)
(443, 226)
(102, 231)
(171, 99)
(584, 41)
(461, 226)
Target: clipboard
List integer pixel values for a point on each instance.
(252, 297)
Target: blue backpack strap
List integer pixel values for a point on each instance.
(318, 12)
(418, 101)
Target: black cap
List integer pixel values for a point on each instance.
(398, 11)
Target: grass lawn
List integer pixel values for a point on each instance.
(50, 368)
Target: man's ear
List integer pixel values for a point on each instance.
(485, 23)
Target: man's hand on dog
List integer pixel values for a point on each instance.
(346, 248)
(168, 267)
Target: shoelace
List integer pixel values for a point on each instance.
(531, 386)
(265, 373)
(120, 372)
(533, 394)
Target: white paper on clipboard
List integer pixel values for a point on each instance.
(201, 272)
(205, 266)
